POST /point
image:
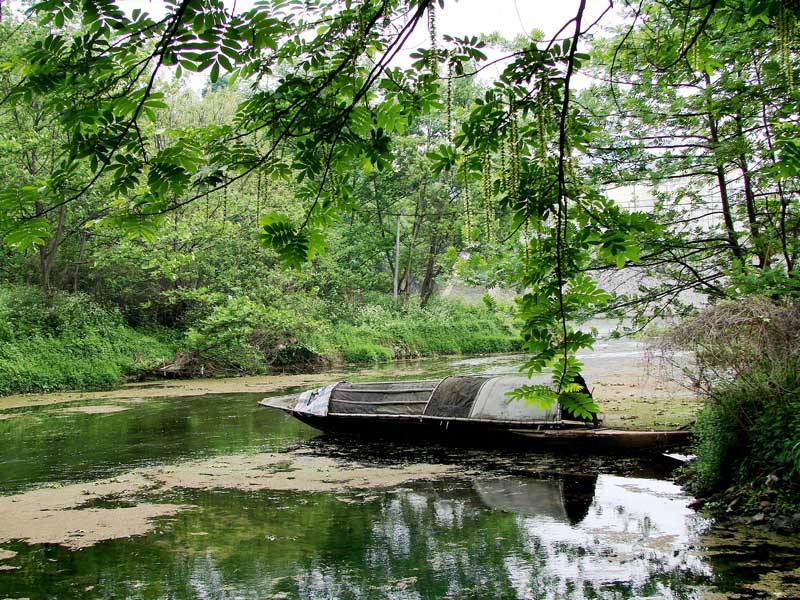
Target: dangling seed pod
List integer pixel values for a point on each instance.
(541, 122)
(540, 133)
(503, 166)
(694, 60)
(259, 191)
(434, 60)
(488, 207)
(527, 238)
(508, 173)
(785, 24)
(572, 178)
(224, 206)
(515, 158)
(467, 215)
(449, 116)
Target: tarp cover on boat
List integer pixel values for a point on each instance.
(386, 398)
(315, 402)
(493, 403)
(460, 396)
(454, 396)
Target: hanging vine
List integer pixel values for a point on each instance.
(488, 205)
(467, 215)
(785, 23)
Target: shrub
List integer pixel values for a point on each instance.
(748, 437)
(747, 366)
(245, 336)
(365, 352)
(223, 339)
(69, 342)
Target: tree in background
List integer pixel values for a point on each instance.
(323, 99)
(700, 121)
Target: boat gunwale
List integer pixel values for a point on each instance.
(563, 434)
(422, 417)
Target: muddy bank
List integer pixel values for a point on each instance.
(75, 516)
(173, 388)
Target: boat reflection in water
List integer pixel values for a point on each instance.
(565, 500)
(559, 537)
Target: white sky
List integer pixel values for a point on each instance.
(513, 17)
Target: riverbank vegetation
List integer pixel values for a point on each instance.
(668, 182)
(67, 341)
(747, 367)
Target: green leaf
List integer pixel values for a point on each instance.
(28, 233)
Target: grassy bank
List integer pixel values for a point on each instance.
(69, 342)
(379, 333)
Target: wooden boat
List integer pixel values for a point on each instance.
(461, 408)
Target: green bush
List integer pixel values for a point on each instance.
(223, 340)
(747, 436)
(366, 352)
(69, 342)
(245, 336)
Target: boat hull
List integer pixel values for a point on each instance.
(582, 438)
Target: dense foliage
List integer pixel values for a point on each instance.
(747, 356)
(67, 341)
(704, 127)
(310, 140)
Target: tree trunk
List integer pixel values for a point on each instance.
(78, 262)
(722, 183)
(787, 257)
(405, 283)
(49, 250)
(428, 281)
(750, 198)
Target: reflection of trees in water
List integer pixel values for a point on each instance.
(542, 538)
(489, 537)
(77, 447)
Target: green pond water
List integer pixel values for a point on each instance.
(502, 525)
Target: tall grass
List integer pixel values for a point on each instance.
(69, 342)
(381, 332)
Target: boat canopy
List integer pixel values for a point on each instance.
(460, 396)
